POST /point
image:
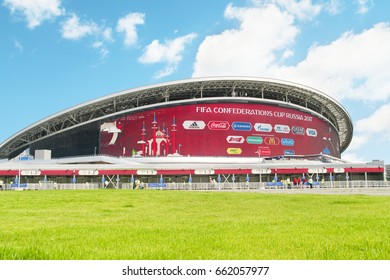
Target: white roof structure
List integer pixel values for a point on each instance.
(213, 89)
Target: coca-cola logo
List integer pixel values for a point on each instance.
(218, 125)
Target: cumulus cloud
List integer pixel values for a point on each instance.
(250, 49)
(302, 10)
(373, 130)
(128, 25)
(377, 123)
(355, 66)
(72, 29)
(170, 52)
(35, 11)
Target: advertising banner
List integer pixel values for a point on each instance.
(220, 129)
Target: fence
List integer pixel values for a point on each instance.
(198, 186)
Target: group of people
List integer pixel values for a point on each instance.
(298, 182)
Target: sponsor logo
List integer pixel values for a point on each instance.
(218, 125)
(282, 128)
(298, 130)
(243, 126)
(289, 152)
(288, 142)
(311, 132)
(235, 139)
(234, 151)
(195, 125)
(263, 151)
(272, 140)
(263, 127)
(254, 140)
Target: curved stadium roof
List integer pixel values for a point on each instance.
(240, 89)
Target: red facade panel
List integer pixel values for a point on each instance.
(219, 129)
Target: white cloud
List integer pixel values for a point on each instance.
(102, 49)
(250, 49)
(364, 6)
(171, 53)
(302, 10)
(128, 25)
(35, 11)
(373, 131)
(333, 7)
(377, 123)
(355, 66)
(107, 34)
(72, 29)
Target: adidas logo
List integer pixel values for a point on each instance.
(196, 125)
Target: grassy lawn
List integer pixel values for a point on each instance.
(125, 224)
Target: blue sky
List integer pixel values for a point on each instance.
(55, 54)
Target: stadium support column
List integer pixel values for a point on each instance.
(173, 130)
(154, 143)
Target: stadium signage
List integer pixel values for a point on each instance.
(263, 151)
(30, 172)
(339, 170)
(146, 172)
(194, 125)
(232, 139)
(311, 132)
(243, 126)
(234, 151)
(88, 172)
(263, 127)
(289, 152)
(317, 170)
(204, 171)
(254, 140)
(288, 142)
(272, 140)
(218, 125)
(282, 128)
(298, 130)
(261, 171)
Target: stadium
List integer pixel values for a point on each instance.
(234, 131)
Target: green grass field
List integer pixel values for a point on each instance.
(125, 224)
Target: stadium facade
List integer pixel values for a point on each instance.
(203, 126)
